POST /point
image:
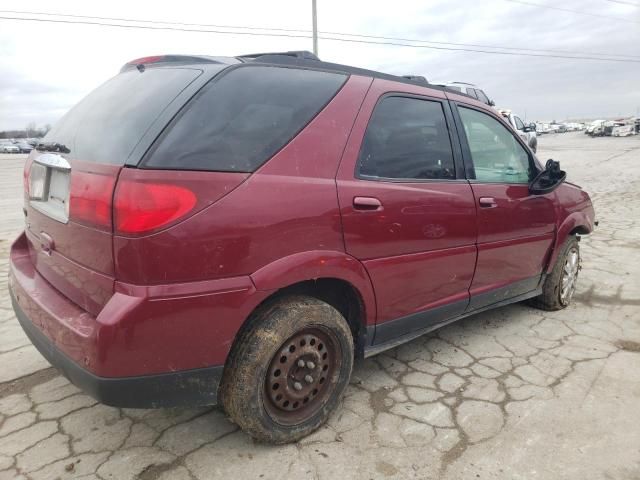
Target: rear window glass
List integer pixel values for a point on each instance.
(107, 124)
(239, 121)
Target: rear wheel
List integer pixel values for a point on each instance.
(560, 284)
(288, 370)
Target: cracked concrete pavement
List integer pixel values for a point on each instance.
(515, 393)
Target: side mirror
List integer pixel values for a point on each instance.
(549, 179)
(532, 126)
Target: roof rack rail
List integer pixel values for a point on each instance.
(303, 54)
(416, 78)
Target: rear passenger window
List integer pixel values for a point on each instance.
(406, 138)
(238, 122)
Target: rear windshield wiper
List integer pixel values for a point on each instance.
(52, 147)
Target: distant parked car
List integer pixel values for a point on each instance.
(595, 128)
(623, 131)
(24, 147)
(471, 90)
(526, 132)
(8, 147)
(558, 128)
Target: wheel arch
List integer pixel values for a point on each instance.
(334, 277)
(575, 224)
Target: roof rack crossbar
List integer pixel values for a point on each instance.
(417, 78)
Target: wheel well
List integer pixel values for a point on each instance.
(580, 230)
(340, 294)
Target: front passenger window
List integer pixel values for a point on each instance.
(496, 154)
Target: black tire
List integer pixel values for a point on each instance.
(552, 293)
(285, 332)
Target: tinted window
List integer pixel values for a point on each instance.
(472, 92)
(109, 122)
(407, 138)
(481, 96)
(454, 87)
(496, 154)
(237, 122)
(519, 124)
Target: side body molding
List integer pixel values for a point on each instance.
(318, 264)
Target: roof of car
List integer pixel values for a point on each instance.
(308, 60)
(302, 59)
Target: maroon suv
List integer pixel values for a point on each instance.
(204, 229)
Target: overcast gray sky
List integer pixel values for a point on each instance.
(45, 68)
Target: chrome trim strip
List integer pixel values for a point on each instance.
(53, 160)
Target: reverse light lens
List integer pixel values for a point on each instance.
(143, 207)
(37, 177)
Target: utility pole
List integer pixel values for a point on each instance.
(314, 17)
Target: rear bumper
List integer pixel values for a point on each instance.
(150, 346)
(186, 388)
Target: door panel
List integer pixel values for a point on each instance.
(415, 236)
(515, 228)
(514, 238)
(418, 248)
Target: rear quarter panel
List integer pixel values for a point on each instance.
(287, 206)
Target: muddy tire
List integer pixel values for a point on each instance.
(560, 284)
(288, 369)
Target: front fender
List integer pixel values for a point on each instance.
(314, 265)
(577, 220)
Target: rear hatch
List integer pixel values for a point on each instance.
(70, 179)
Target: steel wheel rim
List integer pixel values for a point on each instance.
(302, 375)
(569, 276)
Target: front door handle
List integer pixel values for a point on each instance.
(367, 203)
(487, 202)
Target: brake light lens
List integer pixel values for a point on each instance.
(146, 60)
(25, 177)
(90, 199)
(141, 207)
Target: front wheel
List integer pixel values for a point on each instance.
(560, 284)
(288, 370)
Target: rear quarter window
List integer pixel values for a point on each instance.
(241, 119)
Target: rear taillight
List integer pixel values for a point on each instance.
(25, 178)
(141, 207)
(90, 199)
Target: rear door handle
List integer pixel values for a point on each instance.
(487, 202)
(367, 203)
